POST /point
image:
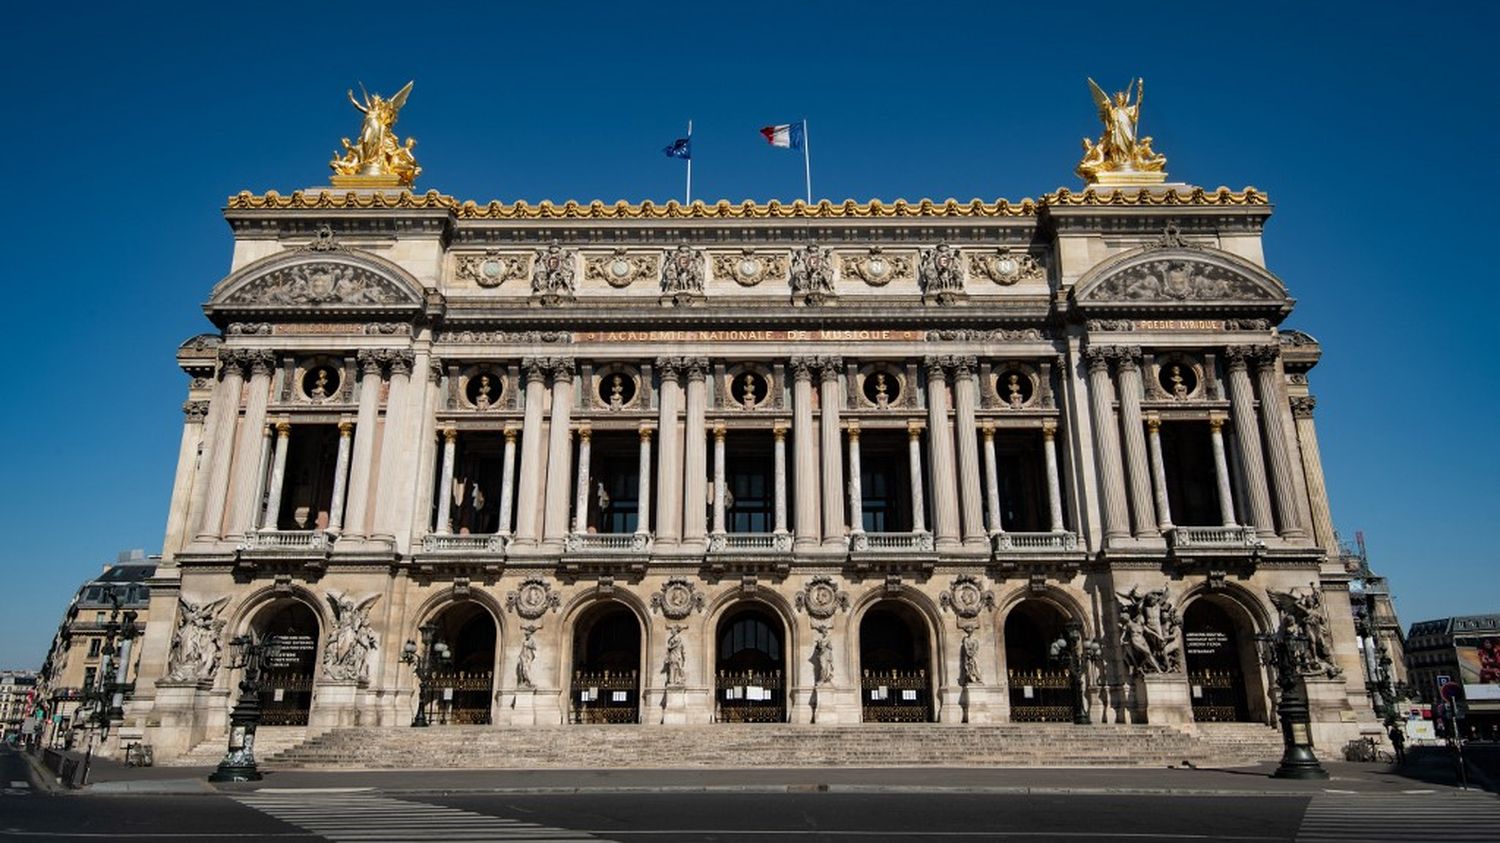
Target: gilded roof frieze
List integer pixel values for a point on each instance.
(725, 210)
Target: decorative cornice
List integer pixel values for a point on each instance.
(673, 210)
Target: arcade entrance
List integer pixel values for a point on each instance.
(1217, 646)
(463, 689)
(895, 660)
(606, 684)
(1040, 691)
(290, 631)
(749, 675)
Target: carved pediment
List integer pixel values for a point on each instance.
(304, 279)
(1181, 276)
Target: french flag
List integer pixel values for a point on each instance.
(786, 135)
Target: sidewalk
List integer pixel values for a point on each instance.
(1424, 772)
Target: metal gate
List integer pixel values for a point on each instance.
(1218, 696)
(749, 696)
(895, 696)
(606, 697)
(285, 698)
(1042, 696)
(461, 698)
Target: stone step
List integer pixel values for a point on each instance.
(270, 741)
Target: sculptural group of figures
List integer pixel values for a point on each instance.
(1303, 616)
(1150, 632)
(1120, 148)
(346, 655)
(377, 152)
(196, 642)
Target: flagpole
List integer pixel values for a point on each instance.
(690, 164)
(807, 160)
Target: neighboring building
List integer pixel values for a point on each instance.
(1466, 650)
(16, 691)
(1382, 645)
(79, 658)
(736, 462)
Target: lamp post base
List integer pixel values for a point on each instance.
(235, 773)
(1298, 762)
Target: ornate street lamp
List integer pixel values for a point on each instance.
(1285, 652)
(1072, 652)
(424, 662)
(248, 654)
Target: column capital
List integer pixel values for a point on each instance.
(536, 369)
(1237, 356)
(987, 428)
(914, 429)
(1127, 357)
(586, 432)
(831, 366)
(370, 361)
(802, 367)
(936, 370)
(346, 428)
(1264, 355)
(561, 368)
(260, 361)
(401, 360)
(511, 433)
(669, 368)
(853, 429)
(778, 430)
(1049, 430)
(1302, 406)
(450, 435)
(196, 411)
(1216, 424)
(434, 370)
(963, 365)
(1153, 423)
(645, 432)
(719, 431)
(283, 429)
(1097, 357)
(696, 367)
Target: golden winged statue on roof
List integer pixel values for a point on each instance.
(1121, 155)
(377, 158)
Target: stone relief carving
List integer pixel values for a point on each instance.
(525, 337)
(677, 599)
(196, 411)
(1302, 406)
(821, 597)
(527, 657)
(319, 283)
(1303, 613)
(620, 269)
(675, 667)
(492, 268)
(969, 671)
(966, 597)
(532, 600)
(993, 335)
(822, 655)
(552, 274)
(1149, 632)
(941, 274)
(878, 268)
(346, 654)
(682, 273)
(249, 329)
(1177, 279)
(1006, 267)
(1171, 238)
(749, 268)
(812, 274)
(196, 644)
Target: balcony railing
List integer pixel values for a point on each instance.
(1035, 542)
(750, 543)
(608, 543)
(1211, 537)
(890, 542)
(291, 541)
(447, 543)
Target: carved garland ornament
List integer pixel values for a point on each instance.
(1006, 267)
(821, 598)
(878, 268)
(533, 599)
(1178, 280)
(677, 599)
(492, 268)
(620, 269)
(966, 598)
(319, 283)
(748, 268)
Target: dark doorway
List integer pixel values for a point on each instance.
(615, 477)
(307, 490)
(1192, 488)
(1040, 691)
(749, 675)
(749, 468)
(895, 665)
(291, 632)
(885, 482)
(1215, 654)
(1022, 485)
(606, 684)
(462, 689)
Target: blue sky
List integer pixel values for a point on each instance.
(126, 127)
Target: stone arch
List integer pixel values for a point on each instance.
(732, 690)
(1190, 276)
(287, 696)
(919, 606)
(1027, 623)
(775, 604)
(1249, 691)
(463, 692)
(335, 280)
(580, 609)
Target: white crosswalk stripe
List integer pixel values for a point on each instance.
(1379, 818)
(370, 818)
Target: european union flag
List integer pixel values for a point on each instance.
(680, 148)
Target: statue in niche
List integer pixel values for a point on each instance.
(616, 392)
(822, 657)
(320, 385)
(1179, 385)
(194, 655)
(1013, 386)
(482, 398)
(747, 382)
(527, 658)
(882, 392)
(675, 668)
(969, 673)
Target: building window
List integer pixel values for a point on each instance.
(89, 674)
(885, 482)
(749, 469)
(94, 645)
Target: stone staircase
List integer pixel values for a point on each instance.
(780, 745)
(270, 742)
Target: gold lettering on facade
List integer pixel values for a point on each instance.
(820, 335)
(1180, 325)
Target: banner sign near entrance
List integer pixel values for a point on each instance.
(1205, 642)
(290, 651)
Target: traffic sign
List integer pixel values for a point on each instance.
(1450, 690)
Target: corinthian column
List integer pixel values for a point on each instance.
(806, 469)
(940, 450)
(559, 454)
(581, 495)
(1054, 482)
(720, 487)
(1107, 444)
(340, 479)
(218, 445)
(1221, 471)
(695, 458)
(669, 455)
(444, 524)
(507, 481)
(965, 395)
(643, 483)
(991, 479)
(1247, 436)
(272, 514)
(1312, 466)
(246, 484)
(1272, 410)
(1135, 441)
(389, 494)
(833, 464)
(362, 458)
(1159, 475)
(529, 492)
(778, 433)
(856, 490)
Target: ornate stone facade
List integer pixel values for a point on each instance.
(654, 464)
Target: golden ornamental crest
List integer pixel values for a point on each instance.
(377, 159)
(1121, 156)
